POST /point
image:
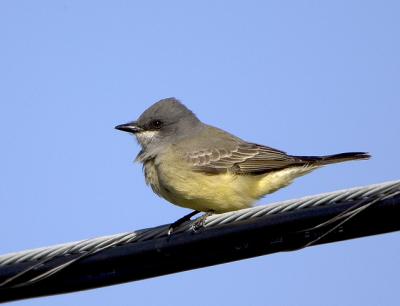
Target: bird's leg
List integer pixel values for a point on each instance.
(180, 221)
(199, 223)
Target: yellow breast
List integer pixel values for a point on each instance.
(220, 192)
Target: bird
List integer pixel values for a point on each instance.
(204, 168)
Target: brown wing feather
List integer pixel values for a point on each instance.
(245, 158)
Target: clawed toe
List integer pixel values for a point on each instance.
(180, 221)
(200, 222)
(197, 224)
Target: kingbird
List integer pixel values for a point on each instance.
(195, 165)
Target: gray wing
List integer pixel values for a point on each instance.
(245, 158)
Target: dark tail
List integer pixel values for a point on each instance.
(332, 159)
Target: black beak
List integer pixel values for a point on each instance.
(130, 127)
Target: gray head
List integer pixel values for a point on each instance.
(166, 121)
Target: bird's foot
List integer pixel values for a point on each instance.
(180, 221)
(199, 223)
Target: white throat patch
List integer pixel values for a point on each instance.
(146, 137)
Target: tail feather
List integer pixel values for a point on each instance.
(334, 158)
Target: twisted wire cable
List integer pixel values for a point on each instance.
(39, 264)
(369, 194)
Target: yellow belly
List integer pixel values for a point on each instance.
(220, 192)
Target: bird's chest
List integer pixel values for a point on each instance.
(151, 175)
(168, 179)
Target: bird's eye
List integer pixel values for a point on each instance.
(156, 124)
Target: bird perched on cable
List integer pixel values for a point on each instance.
(201, 167)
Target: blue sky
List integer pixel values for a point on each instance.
(307, 77)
